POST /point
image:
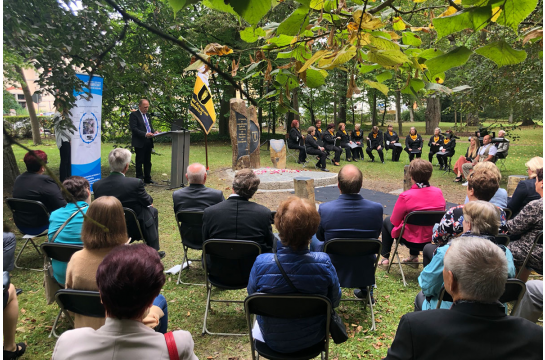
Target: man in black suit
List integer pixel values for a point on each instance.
(476, 326)
(33, 185)
(239, 219)
(142, 139)
(132, 194)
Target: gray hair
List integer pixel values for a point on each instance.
(118, 159)
(483, 216)
(196, 173)
(437, 128)
(501, 132)
(246, 183)
(479, 266)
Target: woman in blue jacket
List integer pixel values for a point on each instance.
(310, 272)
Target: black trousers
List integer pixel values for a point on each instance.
(369, 152)
(143, 157)
(347, 149)
(321, 154)
(396, 151)
(150, 227)
(431, 154)
(388, 241)
(443, 158)
(337, 150)
(411, 156)
(428, 253)
(358, 153)
(302, 154)
(65, 169)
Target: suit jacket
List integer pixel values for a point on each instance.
(121, 340)
(351, 216)
(239, 219)
(435, 148)
(466, 331)
(503, 147)
(319, 134)
(138, 129)
(411, 144)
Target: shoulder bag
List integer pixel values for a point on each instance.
(336, 325)
(171, 346)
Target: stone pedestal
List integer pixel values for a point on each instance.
(244, 131)
(513, 181)
(278, 153)
(304, 188)
(406, 178)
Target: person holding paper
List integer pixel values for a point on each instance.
(343, 136)
(392, 142)
(375, 142)
(329, 143)
(413, 144)
(446, 150)
(435, 143)
(142, 140)
(357, 137)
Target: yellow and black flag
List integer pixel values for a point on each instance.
(202, 106)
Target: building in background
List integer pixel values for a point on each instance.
(45, 104)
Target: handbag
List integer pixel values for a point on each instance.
(337, 329)
(50, 283)
(171, 346)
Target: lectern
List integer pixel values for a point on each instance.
(180, 157)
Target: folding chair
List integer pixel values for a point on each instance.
(514, 291)
(134, 230)
(80, 302)
(190, 228)
(227, 264)
(502, 239)
(500, 162)
(341, 249)
(508, 213)
(22, 208)
(420, 218)
(291, 306)
(537, 240)
(294, 153)
(448, 165)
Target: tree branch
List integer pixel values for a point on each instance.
(457, 7)
(380, 7)
(417, 10)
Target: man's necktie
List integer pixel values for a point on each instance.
(146, 122)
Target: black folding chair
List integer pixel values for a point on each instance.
(134, 231)
(190, 228)
(22, 208)
(508, 213)
(514, 291)
(448, 165)
(538, 240)
(341, 249)
(227, 264)
(290, 306)
(502, 239)
(86, 303)
(420, 218)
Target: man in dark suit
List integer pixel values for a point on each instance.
(142, 140)
(132, 194)
(476, 325)
(237, 217)
(350, 216)
(33, 185)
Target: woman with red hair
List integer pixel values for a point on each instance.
(294, 141)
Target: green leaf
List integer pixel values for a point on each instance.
(461, 88)
(315, 78)
(250, 10)
(294, 22)
(438, 87)
(430, 53)
(253, 66)
(474, 2)
(456, 57)
(384, 34)
(384, 76)
(473, 18)
(515, 11)
(178, 5)
(281, 40)
(383, 44)
(413, 52)
(409, 38)
(317, 4)
(251, 35)
(380, 87)
(285, 55)
(501, 53)
(414, 86)
(387, 57)
(364, 69)
(220, 6)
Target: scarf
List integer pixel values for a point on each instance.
(357, 133)
(423, 185)
(331, 131)
(315, 138)
(375, 135)
(436, 138)
(414, 137)
(391, 133)
(344, 132)
(446, 141)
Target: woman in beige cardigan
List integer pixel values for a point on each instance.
(97, 243)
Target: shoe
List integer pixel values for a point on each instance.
(464, 184)
(21, 348)
(372, 160)
(349, 160)
(149, 182)
(363, 295)
(18, 291)
(383, 162)
(161, 254)
(458, 179)
(355, 160)
(336, 164)
(441, 168)
(324, 169)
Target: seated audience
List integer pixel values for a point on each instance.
(329, 143)
(413, 144)
(390, 140)
(345, 141)
(107, 212)
(481, 219)
(313, 148)
(357, 137)
(237, 218)
(527, 224)
(72, 213)
(375, 141)
(446, 150)
(420, 197)
(526, 189)
(471, 154)
(295, 139)
(132, 194)
(487, 152)
(476, 326)
(129, 280)
(500, 197)
(531, 305)
(310, 273)
(350, 216)
(319, 132)
(196, 196)
(435, 143)
(503, 147)
(34, 185)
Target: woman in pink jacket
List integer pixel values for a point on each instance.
(420, 197)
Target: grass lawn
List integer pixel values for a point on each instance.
(187, 303)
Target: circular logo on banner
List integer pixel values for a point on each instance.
(88, 127)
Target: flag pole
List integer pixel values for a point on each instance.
(206, 149)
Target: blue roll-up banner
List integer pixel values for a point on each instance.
(85, 144)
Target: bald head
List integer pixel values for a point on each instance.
(501, 133)
(350, 180)
(196, 174)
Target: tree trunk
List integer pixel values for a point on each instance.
(295, 105)
(472, 119)
(411, 112)
(274, 120)
(260, 110)
(511, 116)
(342, 91)
(527, 121)
(223, 118)
(433, 114)
(11, 171)
(34, 124)
(385, 111)
(398, 113)
(335, 107)
(374, 108)
(353, 115)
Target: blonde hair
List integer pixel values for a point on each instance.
(534, 164)
(473, 153)
(310, 129)
(488, 165)
(483, 216)
(108, 212)
(357, 126)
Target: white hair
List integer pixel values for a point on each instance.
(479, 266)
(437, 128)
(196, 173)
(118, 159)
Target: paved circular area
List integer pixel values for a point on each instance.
(282, 179)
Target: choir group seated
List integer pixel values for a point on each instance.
(461, 253)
